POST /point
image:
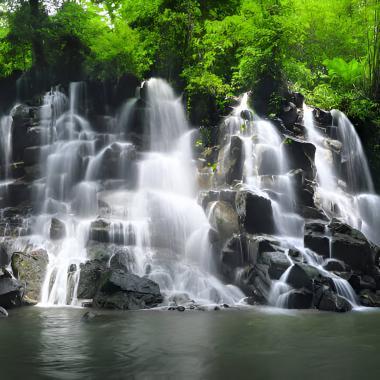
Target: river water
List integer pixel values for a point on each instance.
(55, 343)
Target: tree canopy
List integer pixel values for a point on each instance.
(329, 50)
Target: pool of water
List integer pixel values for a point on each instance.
(55, 343)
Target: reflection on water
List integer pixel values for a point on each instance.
(39, 343)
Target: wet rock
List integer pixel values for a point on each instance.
(315, 238)
(277, 263)
(299, 299)
(34, 136)
(255, 212)
(207, 196)
(181, 308)
(334, 265)
(330, 301)
(121, 259)
(19, 191)
(301, 155)
(297, 98)
(126, 291)
(369, 298)
(100, 251)
(303, 276)
(246, 115)
(4, 255)
(223, 218)
(89, 278)
(30, 269)
(231, 162)
(57, 229)
(24, 118)
(3, 313)
(322, 117)
(352, 247)
(32, 155)
(11, 292)
(289, 114)
(117, 162)
(100, 231)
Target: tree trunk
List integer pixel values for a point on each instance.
(37, 38)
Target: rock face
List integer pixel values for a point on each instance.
(30, 269)
(115, 288)
(255, 212)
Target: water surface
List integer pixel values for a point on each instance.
(53, 343)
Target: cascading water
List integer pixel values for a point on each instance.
(345, 189)
(128, 186)
(150, 202)
(5, 153)
(265, 166)
(266, 172)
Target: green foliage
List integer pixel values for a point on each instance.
(350, 73)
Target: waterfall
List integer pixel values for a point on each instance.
(346, 193)
(150, 198)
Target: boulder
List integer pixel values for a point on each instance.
(369, 298)
(277, 263)
(223, 218)
(30, 269)
(330, 301)
(89, 278)
(351, 246)
(126, 291)
(11, 292)
(304, 275)
(299, 299)
(255, 212)
(315, 238)
(57, 229)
